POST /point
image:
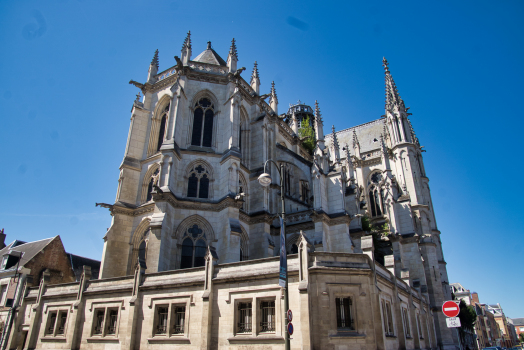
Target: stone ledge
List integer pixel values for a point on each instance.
(169, 340)
(103, 340)
(53, 339)
(239, 339)
(352, 335)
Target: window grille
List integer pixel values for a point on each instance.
(99, 322)
(180, 317)
(62, 323)
(244, 318)
(113, 318)
(267, 309)
(51, 326)
(343, 308)
(406, 322)
(162, 320)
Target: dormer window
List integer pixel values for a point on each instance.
(10, 259)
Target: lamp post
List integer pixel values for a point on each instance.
(265, 180)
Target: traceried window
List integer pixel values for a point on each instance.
(344, 317)
(152, 182)
(162, 131)
(406, 322)
(203, 123)
(244, 318)
(198, 182)
(304, 191)
(194, 248)
(267, 312)
(376, 195)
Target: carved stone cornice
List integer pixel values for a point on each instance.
(304, 226)
(256, 219)
(146, 208)
(330, 220)
(181, 203)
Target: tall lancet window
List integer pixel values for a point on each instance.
(162, 132)
(194, 247)
(203, 123)
(397, 125)
(198, 182)
(376, 195)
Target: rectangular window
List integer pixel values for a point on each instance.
(3, 294)
(406, 322)
(112, 321)
(343, 308)
(180, 317)
(50, 329)
(391, 330)
(162, 312)
(99, 321)
(244, 318)
(384, 317)
(267, 310)
(62, 319)
(419, 327)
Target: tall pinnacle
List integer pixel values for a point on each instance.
(233, 49)
(273, 91)
(392, 95)
(355, 139)
(318, 116)
(336, 146)
(254, 75)
(383, 147)
(273, 100)
(154, 62)
(187, 41)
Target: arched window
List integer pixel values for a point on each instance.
(194, 247)
(152, 181)
(243, 190)
(162, 131)
(139, 242)
(198, 182)
(203, 123)
(397, 124)
(376, 195)
(294, 249)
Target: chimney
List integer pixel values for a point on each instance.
(475, 297)
(2, 239)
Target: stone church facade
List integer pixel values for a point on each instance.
(191, 257)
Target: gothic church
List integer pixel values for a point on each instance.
(191, 257)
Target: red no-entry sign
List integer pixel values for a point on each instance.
(450, 309)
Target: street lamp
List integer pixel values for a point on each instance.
(265, 180)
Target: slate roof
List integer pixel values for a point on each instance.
(368, 135)
(78, 262)
(211, 57)
(518, 321)
(29, 249)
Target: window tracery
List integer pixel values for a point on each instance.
(194, 247)
(162, 131)
(376, 195)
(198, 182)
(204, 111)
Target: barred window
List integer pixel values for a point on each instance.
(51, 324)
(180, 318)
(99, 321)
(387, 318)
(391, 330)
(267, 310)
(343, 308)
(162, 312)
(112, 320)
(244, 318)
(406, 322)
(62, 319)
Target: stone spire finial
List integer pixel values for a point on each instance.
(187, 42)
(137, 99)
(233, 49)
(348, 155)
(336, 146)
(414, 137)
(383, 147)
(273, 100)
(318, 116)
(355, 139)
(255, 80)
(392, 95)
(154, 62)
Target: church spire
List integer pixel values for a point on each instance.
(232, 58)
(273, 100)
(255, 80)
(336, 146)
(392, 96)
(186, 49)
(319, 127)
(153, 69)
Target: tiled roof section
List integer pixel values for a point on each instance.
(211, 57)
(518, 321)
(29, 249)
(78, 262)
(366, 133)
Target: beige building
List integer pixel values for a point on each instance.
(191, 258)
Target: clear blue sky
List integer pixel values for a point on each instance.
(65, 105)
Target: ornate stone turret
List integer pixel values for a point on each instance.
(186, 49)
(273, 100)
(255, 80)
(319, 127)
(153, 69)
(396, 111)
(232, 58)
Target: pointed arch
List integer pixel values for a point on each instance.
(194, 235)
(190, 221)
(159, 124)
(204, 108)
(138, 239)
(292, 243)
(151, 176)
(244, 190)
(375, 194)
(199, 179)
(244, 136)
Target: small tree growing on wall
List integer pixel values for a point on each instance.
(307, 135)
